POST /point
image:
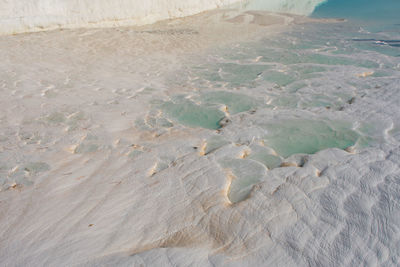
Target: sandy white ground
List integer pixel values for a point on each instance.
(84, 183)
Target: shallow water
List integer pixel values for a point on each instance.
(366, 11)
(305, 90)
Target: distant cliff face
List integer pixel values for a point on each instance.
(299, 7)
(35, 15)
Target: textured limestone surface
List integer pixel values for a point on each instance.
(224, 139)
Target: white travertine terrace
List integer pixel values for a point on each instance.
(37, 15)
(303, 7)
(222, 139)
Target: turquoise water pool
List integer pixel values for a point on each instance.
(367, 12)
(384, 11)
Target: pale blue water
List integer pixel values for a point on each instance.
(387, 11)
(382, 15)
(371, 25)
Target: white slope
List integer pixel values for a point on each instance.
(304, 7)
(92, 85)
(35, 15)
(97, 170)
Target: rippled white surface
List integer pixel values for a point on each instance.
(222, 139)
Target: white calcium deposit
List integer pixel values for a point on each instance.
(299, 7)
(36, 15)
(223, 139)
